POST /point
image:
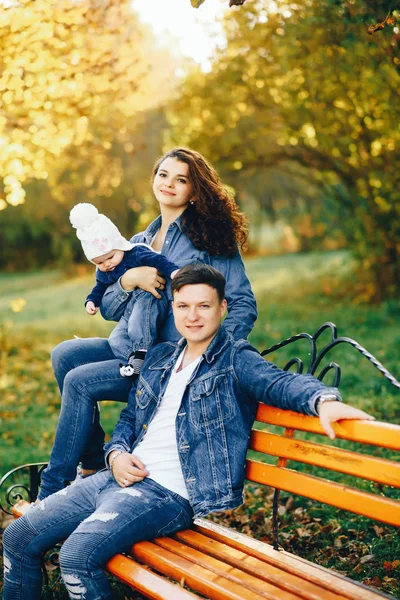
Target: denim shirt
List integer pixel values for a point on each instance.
(177, 247)
(216, 413)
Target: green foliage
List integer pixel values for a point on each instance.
(304, 89)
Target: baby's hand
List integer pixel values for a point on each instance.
(91, 309)
(173, 274)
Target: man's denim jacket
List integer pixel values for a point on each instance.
(177, 248)
(216, 413)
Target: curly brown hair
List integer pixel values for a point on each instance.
(213, 222)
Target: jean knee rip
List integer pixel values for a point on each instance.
(130, 491)
(74, 586)
(7, 564)
(17, 536)
(99, 516)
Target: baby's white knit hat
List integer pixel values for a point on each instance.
(96, 232)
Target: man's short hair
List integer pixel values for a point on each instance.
(199, 273)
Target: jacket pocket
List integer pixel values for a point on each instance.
(144, 394)
(210, 403)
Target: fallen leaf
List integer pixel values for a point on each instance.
(302, 532)
(378, 530)
(390, 566)
(358, 568)
(374, 581)
(366, 558)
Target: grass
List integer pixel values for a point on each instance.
(295, 293)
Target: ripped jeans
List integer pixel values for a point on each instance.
(98, 519)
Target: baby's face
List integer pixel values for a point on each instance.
(108, 262)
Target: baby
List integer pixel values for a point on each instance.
(113, 255)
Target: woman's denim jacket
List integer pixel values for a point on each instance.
(216, 413)
(177, 248)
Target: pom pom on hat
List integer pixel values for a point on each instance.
(83, 215)
(96, 232)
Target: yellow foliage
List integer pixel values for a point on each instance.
(17, 305)
(72, 74)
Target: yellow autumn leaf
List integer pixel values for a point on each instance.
(17, 305)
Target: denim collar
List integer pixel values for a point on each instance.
(156, 224)
(218, 344)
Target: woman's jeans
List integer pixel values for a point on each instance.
(100, 519)
(86, 371)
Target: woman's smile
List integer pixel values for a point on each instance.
(172, 186)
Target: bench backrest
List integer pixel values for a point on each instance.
(359, 465)
(359, 462)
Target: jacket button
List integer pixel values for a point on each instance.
(139, 393)
(145, 426)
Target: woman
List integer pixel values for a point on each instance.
(199, 222)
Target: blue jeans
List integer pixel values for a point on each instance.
(86, 371)
(139, 326)
(99, 519)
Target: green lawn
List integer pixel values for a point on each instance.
(295, 293)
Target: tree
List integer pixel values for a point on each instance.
(198, 3)
(73, 76)
(38, 232)
(307, 85)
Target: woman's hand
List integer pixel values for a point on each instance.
(330, 412)
(128, 469)
(146, 278)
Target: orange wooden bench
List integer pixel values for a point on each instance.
(215, 562)
(218, 563)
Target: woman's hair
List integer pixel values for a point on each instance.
(213, 222)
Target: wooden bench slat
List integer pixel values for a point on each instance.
(145, 581)
(288, 562)
(255, 566)
(345, 461)
(20, 508)
(212, 585)
(373, 506)
(376, 433)
(217, 587)
(233, 573)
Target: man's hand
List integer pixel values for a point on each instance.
(147, 278)
(91, 309)
(330, 412)
(128, 469)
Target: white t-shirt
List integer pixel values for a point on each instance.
(158, 449)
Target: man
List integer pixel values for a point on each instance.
(177, 451)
